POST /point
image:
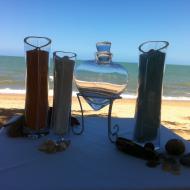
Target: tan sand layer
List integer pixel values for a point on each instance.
(175, 114)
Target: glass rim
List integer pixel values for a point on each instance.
(73, 55)
(165, 45)
(37, 37)
(104, 42)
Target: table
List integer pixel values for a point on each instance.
(91, 162)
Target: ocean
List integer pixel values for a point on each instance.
(176, 82)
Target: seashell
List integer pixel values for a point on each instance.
(61, 147)
(50, 149)
(51, 146)
(175, 147)
(48, 146)
(185, 160)
(149, 146)
(170, 164)
(153, 163)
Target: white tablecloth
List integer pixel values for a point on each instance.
(91, 162)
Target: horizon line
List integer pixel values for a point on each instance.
(117, 60)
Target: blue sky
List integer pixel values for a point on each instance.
(76, 25)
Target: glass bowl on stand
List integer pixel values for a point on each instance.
(100, 82)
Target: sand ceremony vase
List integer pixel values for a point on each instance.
(100, 82)
(100, 77)
(36, 101)
(63, 76)
(148, 105)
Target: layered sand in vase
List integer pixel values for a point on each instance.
(63, 76)
(36, 103)
(148, 107)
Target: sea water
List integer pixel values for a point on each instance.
(176, 82)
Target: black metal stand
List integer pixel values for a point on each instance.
(112, 130)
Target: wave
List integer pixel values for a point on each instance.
(51, 77)
(12, 91)
(74, 93)
(6, 81)
(183, 98)
(23, 91)
(180, 98)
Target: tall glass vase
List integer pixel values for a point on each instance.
(148, 106)
(36, 102)
(63, 76)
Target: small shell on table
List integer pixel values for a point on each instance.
(185, 160)
(175, 147)
(62, 145)
(51, 146)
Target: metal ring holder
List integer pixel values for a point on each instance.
(112, 130)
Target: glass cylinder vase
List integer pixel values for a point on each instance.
(63, 76)
(37, 69)
(148, 105)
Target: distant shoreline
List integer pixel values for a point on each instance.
(124, 96)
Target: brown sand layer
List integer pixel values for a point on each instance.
(37, 88)
(175, 114)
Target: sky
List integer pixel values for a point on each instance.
(76, 25)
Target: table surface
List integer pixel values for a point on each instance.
(90, 162)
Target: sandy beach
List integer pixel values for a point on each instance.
(175, 114)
